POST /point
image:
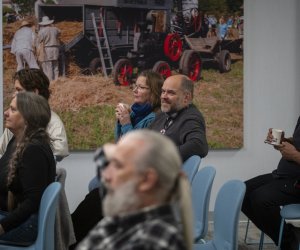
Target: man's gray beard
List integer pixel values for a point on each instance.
(122, 201)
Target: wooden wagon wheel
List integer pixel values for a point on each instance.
(163, 68)
(122, 72)
(191, 64)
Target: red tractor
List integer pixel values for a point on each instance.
(120, 38)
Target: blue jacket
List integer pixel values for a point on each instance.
(121, 130)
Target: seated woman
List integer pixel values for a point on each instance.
(34, 80)
(31, 80)
(31, 166)
(146, 94)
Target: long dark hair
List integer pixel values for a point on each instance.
(36, 113)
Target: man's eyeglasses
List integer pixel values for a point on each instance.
(139, 87)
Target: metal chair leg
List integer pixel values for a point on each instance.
(280, 234)
(246, 233)
(261, 241)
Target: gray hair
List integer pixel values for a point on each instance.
(187, 85)
(161, 154)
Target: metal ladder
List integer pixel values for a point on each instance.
(103, 48)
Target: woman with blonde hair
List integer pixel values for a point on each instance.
(146, 94)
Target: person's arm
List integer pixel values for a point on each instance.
(13, 46)
(194, 138)
(289, 152)
(145, 123)
(34, 178)
(58, 135)
(123, 119)
(4, 140)
(34, 42)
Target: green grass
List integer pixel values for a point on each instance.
(89, 127)
(220, 98)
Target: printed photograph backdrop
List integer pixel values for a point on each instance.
(85, 100)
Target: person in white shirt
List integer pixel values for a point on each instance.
(22, 46)
(48, 44)
(35, 80)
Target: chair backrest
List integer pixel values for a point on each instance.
(226, 214)
(45, 238)
(201, 189)
(190, 166)
(64, 230)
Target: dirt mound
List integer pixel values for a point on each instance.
(82, 91)
(67, 93)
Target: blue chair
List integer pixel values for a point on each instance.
(190, 166)
(226, 217)
(201, 189)
(94, 183)
(45, 238)
(288, 212)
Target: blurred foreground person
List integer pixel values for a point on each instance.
(145, 189)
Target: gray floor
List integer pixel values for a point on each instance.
(252, 239)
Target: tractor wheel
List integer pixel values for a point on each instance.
(181, 61)
(122, 72)
(95, 66)
(173, 47)
(224, 61)
(191, 64)
(163, 68)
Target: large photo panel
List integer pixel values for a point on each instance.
(103, 45)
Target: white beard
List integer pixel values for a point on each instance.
(122, 201)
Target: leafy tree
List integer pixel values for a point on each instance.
(220, 7)
(26, 6)
(6, 9)
(234, 5)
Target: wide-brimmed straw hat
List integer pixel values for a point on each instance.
(24, 23)
(46, 21)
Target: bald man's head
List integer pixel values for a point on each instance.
(177, 93)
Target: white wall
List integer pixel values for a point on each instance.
(1, 74)
(271, 98)
(271, 88)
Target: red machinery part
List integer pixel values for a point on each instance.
(162, 68)
(190, 65)
(122, 72)
(173, 47)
